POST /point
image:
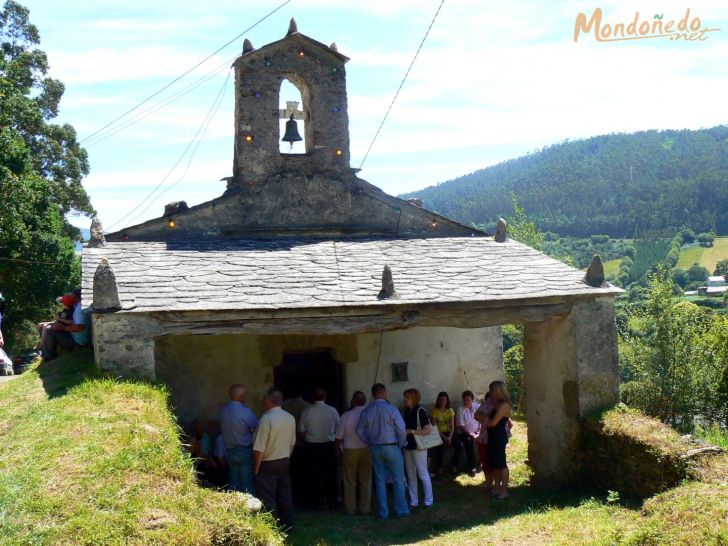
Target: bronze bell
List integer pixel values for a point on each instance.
(291, 135)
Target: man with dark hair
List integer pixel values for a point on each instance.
(381, 427)
(238, 423)
(318, 429)
(272, 449)
(356, 459)
(467, 429)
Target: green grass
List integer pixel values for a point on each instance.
(689, 256)
(611, 267)
(707, 257)
(464, 515)
(714, 435)
(91, 460)
(712, 255)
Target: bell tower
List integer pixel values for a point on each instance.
(318, 72)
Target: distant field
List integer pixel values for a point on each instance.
(712, 255)
(611, 267)
(707, 257)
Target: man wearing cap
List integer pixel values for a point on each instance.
(67, 335)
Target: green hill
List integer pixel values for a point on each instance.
(621, 185)
(91, 460)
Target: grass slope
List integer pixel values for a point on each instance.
(707, 257)
(693, 514)
(611, 267)
(715, 253)
(89, 460)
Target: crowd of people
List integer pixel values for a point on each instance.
(308, 455)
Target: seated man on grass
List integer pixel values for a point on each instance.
(69, 336)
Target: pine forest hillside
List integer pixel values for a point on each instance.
(621, 185)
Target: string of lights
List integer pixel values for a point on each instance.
(178, 78)
(396, 94)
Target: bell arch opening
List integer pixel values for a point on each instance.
(295, 136)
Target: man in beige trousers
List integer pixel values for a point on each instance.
(357, 461)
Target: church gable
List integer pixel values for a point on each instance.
(310, 194)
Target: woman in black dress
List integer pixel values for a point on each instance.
(497, 424)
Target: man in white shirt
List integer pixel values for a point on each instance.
(467, 429)
(274, 441)
(357, 460)
(318, 429)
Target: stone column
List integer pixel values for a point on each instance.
(125, 346)
(571, 370)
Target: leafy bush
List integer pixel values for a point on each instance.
(513, 366)
(697, 272)
(706, 239)
(677, 356)
(681, 277)
(721, 268)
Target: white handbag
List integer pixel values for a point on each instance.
(433, 439)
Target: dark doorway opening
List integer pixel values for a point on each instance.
(301, 372)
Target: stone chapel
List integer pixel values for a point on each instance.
(302, 274)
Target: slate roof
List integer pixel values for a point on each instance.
(282, 273)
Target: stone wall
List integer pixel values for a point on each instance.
(636, 455)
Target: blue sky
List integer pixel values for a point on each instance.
(496, 79)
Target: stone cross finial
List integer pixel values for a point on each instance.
(387, 290)
(97, 234)
(292, 27)
(501, 231)
(247, 46)
(595, 272)
(106, 292)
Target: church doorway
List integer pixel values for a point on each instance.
(301, 372)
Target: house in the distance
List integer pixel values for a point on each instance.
(716, 287)
(302, 274)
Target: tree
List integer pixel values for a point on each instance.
(697, 273)
(721, 268)
(521, 228)
(681, 277)
(706, 239)
(677, 359)
(41, 169)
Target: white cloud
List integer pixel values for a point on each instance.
(494, 78)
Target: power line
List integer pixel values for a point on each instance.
(203, 130)
(167, 86)
(401, 84)
(155, 108)
(179, 159)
